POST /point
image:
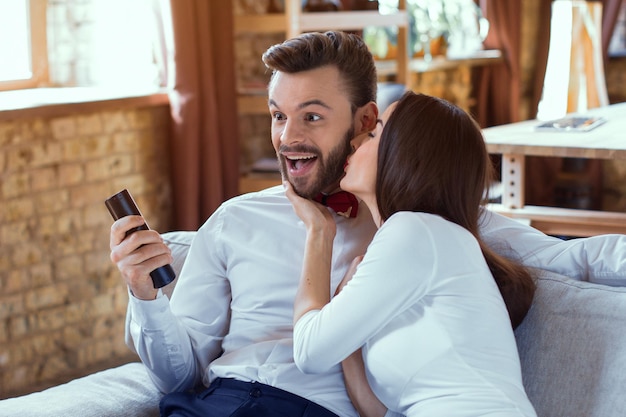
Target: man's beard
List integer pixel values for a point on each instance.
(330, 168)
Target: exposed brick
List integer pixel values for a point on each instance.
(19, 326)
(24, 255)
(52, 201)
(16, 185)
(45, 179)
(54, 367)
(139, 119)
(11, 305)
(7, 131)
(89, 124)
(35, 155)
(97, 146)
(69, 267)
(73, 150)
(87, 194)
(17, 209)
(62, 301)
(63, 127)
(41, 275)
(54, 318)
(18, 232)
(128, 142)
(15, 280)
(49, 296)
(114, 122)
(98, 216)
(135, 183)
(71, 174)
(109, 166)
(4, 336)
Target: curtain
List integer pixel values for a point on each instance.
(610, 10)
(499, 86)
(204, 142)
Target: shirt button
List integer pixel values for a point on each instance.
(255, 393)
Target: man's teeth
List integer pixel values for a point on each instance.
(296, 161)
(294, 158)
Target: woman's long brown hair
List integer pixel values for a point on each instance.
(432, 158)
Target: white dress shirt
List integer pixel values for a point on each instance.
(232, 311)
(436, 335)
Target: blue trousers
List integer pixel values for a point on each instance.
(233, 398)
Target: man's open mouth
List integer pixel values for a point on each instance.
(299, 164)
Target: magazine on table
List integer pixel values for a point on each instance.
(577, 123)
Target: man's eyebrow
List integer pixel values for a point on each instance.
(305, 104)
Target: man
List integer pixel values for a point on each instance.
(229, 322)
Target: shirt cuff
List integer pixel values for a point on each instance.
(149, 314)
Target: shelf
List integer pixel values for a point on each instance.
(318, 21)
(252, 104)
(257, 103)
(255, 182)
(441, 63)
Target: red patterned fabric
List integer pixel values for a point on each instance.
(342, 202)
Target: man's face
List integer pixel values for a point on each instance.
(312, 125)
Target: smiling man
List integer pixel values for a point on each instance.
(318, 101)
(228, 325)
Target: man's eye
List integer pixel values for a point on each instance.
(313, 117)
(278, 116)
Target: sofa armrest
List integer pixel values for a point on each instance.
(125, 391)
(572, 347)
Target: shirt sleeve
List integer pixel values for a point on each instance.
(599, 259)
(176, 340)
(371, 299)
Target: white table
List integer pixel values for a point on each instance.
(517, 140)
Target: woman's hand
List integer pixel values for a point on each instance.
(314, 289)
(315, 216)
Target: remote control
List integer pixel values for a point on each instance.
(122, 205)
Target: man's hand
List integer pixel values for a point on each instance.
(137, 254)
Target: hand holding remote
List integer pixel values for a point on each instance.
(122, 205)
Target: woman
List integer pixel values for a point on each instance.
(423, 303)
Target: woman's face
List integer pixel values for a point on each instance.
(361, 166)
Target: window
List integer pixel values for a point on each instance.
(23, 54)
(82, 43)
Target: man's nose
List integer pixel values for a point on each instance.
(291, 134)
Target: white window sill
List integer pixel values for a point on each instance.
(51, 102)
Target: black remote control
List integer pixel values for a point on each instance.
(122, 205)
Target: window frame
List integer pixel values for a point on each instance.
(39, 50)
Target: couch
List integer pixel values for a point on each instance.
(572, 349)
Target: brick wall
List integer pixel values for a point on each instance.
(62, 302)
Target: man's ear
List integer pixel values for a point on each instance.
(366, 118)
